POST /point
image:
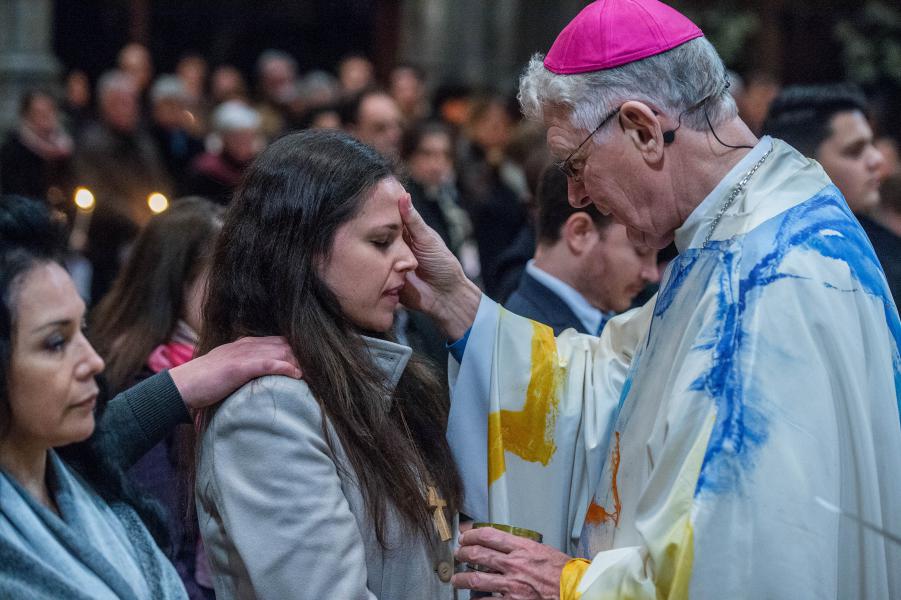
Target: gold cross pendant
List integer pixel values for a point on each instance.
(437, 504)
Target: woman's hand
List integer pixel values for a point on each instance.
(522, 569)
(208, 379)
(438, 287)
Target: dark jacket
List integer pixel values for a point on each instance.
(215, 176)
(535, 301)
(888, 250)
(27, 174)
(177, 150)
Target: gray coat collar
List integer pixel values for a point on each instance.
(390, 358)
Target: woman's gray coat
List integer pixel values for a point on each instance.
(281, 521)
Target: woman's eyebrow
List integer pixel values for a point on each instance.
(389, 226)
(59, 323)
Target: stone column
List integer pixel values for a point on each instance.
(26, 56)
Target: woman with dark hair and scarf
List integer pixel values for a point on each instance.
(69, 527)
(341, 485)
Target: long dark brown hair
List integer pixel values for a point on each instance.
(143, 306)
(279, 227)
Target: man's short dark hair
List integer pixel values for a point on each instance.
(802, 114)
(554, 207)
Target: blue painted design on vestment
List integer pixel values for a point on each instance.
(627, 387)
(740, 426)
(746, 265)
(679, 269)
(853, 247)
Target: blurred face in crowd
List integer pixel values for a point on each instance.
(492, 129)
(407, 90)
(41, 116)
(379, 124)
(278, 80)
(369, 260)
(455, 111)
(52, 392)
(615, 269)
(241, 144)
(192, 72)
(119, 108)
(355, 74)
(851, 160)
(78, 89)
(227, 83)
(431, 164)
(169, 113)
(328, 119)
(754, 101)
(134, 59)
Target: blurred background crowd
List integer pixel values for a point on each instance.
(135, 121)
(117, 129)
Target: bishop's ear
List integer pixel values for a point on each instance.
(642, 126)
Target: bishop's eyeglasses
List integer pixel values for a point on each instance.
(566, 165)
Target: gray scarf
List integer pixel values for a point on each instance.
(91, 550)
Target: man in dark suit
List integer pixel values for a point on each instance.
(585, 268)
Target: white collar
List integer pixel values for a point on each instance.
(694, 229)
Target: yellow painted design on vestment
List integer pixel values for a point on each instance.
(496, 463)
(569, 578)
(529, 433)
(674, 576)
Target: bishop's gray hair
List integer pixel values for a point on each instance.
(670, 82)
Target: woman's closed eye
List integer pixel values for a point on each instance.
(56, 342)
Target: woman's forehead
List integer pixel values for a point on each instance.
(382, 202)
(46, 294)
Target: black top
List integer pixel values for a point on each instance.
(888, 250)
(27, 174)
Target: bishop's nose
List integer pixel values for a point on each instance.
(575, 192)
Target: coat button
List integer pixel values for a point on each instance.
(444, 570)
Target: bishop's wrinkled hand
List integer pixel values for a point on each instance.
(522, 569)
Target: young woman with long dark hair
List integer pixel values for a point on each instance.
(341, 485)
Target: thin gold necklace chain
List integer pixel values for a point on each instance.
(739, 187)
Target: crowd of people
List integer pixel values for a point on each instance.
(652, 319)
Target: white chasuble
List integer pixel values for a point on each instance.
(686, 451)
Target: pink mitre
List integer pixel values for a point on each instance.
(610, 33)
